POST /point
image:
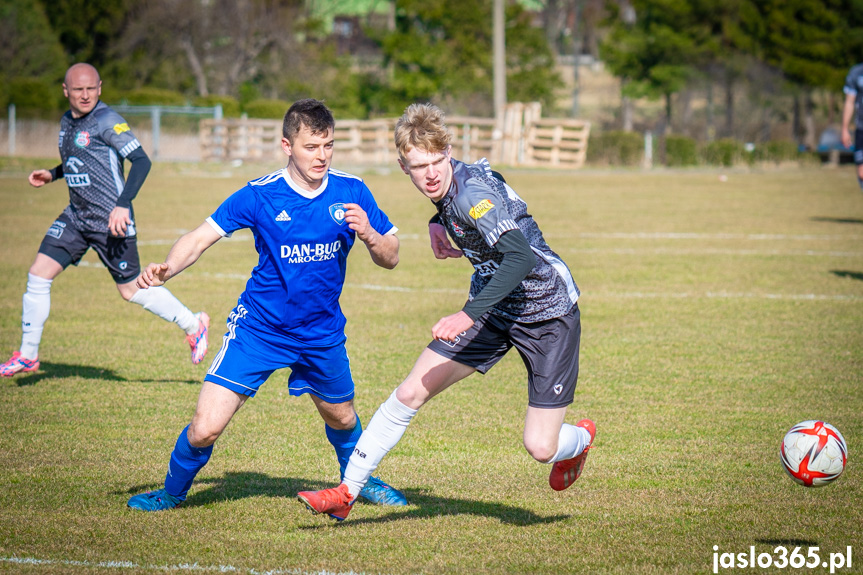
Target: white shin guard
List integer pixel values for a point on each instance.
(383, 432)
(34, 313)
(163, 303)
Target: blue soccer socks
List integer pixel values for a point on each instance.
(186, 461)
(344, 441)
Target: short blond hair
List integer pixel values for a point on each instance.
(422, 126)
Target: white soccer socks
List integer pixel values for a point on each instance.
(571, 441)
(34, 314)
(163, 303)
(383, 432)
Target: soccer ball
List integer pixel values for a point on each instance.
(813, 453)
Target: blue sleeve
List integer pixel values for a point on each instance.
(236, 212)
(377, 218)
(852, 80)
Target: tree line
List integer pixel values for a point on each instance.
(252, 56)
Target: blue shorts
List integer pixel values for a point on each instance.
(251, 352)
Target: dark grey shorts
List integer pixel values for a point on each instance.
(548, 348)
(858, 146)
(66, 244)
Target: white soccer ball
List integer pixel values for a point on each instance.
(814, 453)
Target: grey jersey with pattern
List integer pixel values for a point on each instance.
(476, 211)
(92, 149)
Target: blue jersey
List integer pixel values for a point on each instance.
(303, 242)
(854, 87)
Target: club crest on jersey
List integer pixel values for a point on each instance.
(456, 229)
(481, 209)
(337, 212)
(82, 139)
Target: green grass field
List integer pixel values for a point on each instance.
(715, 316)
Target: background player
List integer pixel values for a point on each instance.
(521, 294)
(854, 105)
(94, 141)
(305, 219)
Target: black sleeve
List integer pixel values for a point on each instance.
(56, 172)
(137, 174)
(435, 219)
(518, 260)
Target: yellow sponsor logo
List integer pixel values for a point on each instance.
(481, 209)
(120, 128)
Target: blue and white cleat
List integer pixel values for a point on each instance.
(158, 500)
(379, 493)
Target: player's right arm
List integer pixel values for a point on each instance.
(440, 244)
(183, 254)
(39, 178)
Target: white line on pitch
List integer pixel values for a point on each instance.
(180, 567)
(719, 236)
(655, 295)
(725, 295)
(711, 252)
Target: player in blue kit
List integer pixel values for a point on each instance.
(94, 142)
(522, 295)
(854, 107)
(305, 219)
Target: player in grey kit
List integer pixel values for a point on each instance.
(522, 295)
(94, 142)
(854, 104)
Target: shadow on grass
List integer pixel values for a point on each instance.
(797, 542)
(848, 274)
(239, 485)
(837, 220)
(50, 370)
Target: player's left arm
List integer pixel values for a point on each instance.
(115, 132)
(847, 116)
(120, 217)
(518, 261)
(383, 248)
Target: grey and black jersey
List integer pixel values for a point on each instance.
(854, 86)
(476, 211)
(92, 149)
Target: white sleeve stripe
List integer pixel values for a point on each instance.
(263, 180)
(130, 147)
(501, 227)
(217, 228)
